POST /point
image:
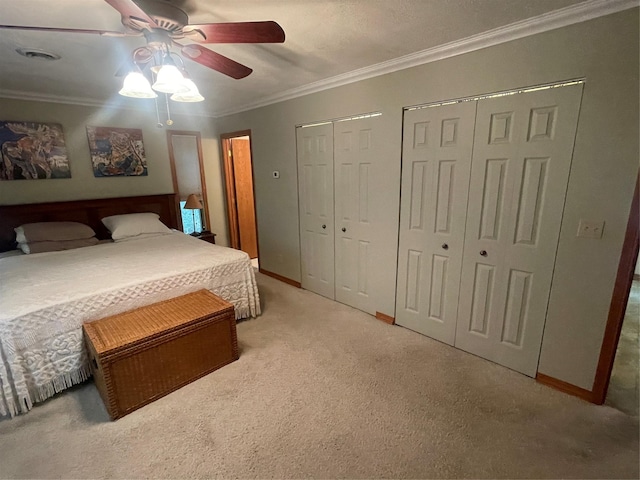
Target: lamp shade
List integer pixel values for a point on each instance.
(193, 202)
(170, 80)
(191, 95)
(136, 85)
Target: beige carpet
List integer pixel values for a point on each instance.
(322, 390)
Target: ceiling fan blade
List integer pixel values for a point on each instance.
(240, 32)
(215, 61)
(129, 10)
(105, 33)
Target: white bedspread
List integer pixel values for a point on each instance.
(45, 298)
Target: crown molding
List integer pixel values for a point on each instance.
(563, 17)
(87, 102)
(45, 97)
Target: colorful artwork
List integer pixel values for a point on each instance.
(32, 150)
(116, 152)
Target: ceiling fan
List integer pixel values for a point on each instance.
(163, 24)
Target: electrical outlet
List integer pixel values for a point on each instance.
(276, 174)
(590, 229)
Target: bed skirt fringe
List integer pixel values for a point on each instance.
(62, 382)
(40, 393)
(247, 312)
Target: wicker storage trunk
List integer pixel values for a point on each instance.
(142, 355)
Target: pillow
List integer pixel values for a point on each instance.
(142, 236)
(134, 224)
(52, 231)
(51, 246)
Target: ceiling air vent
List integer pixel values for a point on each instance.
(36, 53)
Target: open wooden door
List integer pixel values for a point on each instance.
(241, 210)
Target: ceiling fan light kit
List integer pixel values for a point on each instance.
(160, 66)
(163, 24)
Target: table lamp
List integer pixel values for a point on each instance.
(193, 203)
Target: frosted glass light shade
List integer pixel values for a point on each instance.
(191, 95)
(170, 80)
(137, 86)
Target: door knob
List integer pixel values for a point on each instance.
(324, 226)
(344, 229)
(483, 253)
(445, 246)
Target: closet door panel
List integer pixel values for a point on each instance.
(315, 196)
(359, 183)
(436, 161)
(522, 155)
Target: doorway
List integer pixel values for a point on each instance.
(616, 379)
(623, 392)
(239, 191)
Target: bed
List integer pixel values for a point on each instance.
(46, 297)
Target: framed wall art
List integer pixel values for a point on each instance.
(32, 150)
(116, 152)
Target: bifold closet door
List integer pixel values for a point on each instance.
(436, 161)
(315, 197)
(520, 168)
(357, 185)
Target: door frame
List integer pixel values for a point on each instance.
(230, 188)
(619, 299)
(174, 176)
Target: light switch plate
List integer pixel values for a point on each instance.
(590, 229)
(276, 174)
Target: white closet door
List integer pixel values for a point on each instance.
(522, 154)
(357, 182)
(315, 197)
(436, 160)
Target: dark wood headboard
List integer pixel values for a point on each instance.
(89, 212)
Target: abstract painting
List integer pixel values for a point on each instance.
(32, 150)
(116, 152)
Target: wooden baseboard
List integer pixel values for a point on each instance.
(280, 277)
(386, 318)
(565, 387)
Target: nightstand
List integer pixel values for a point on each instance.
(207, 237)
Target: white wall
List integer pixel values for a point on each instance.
(83, 185)
(605, 163)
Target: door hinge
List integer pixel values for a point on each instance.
(229, 153)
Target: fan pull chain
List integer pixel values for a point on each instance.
(159, 124)
(169, 121)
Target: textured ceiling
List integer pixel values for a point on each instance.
(324, 38)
